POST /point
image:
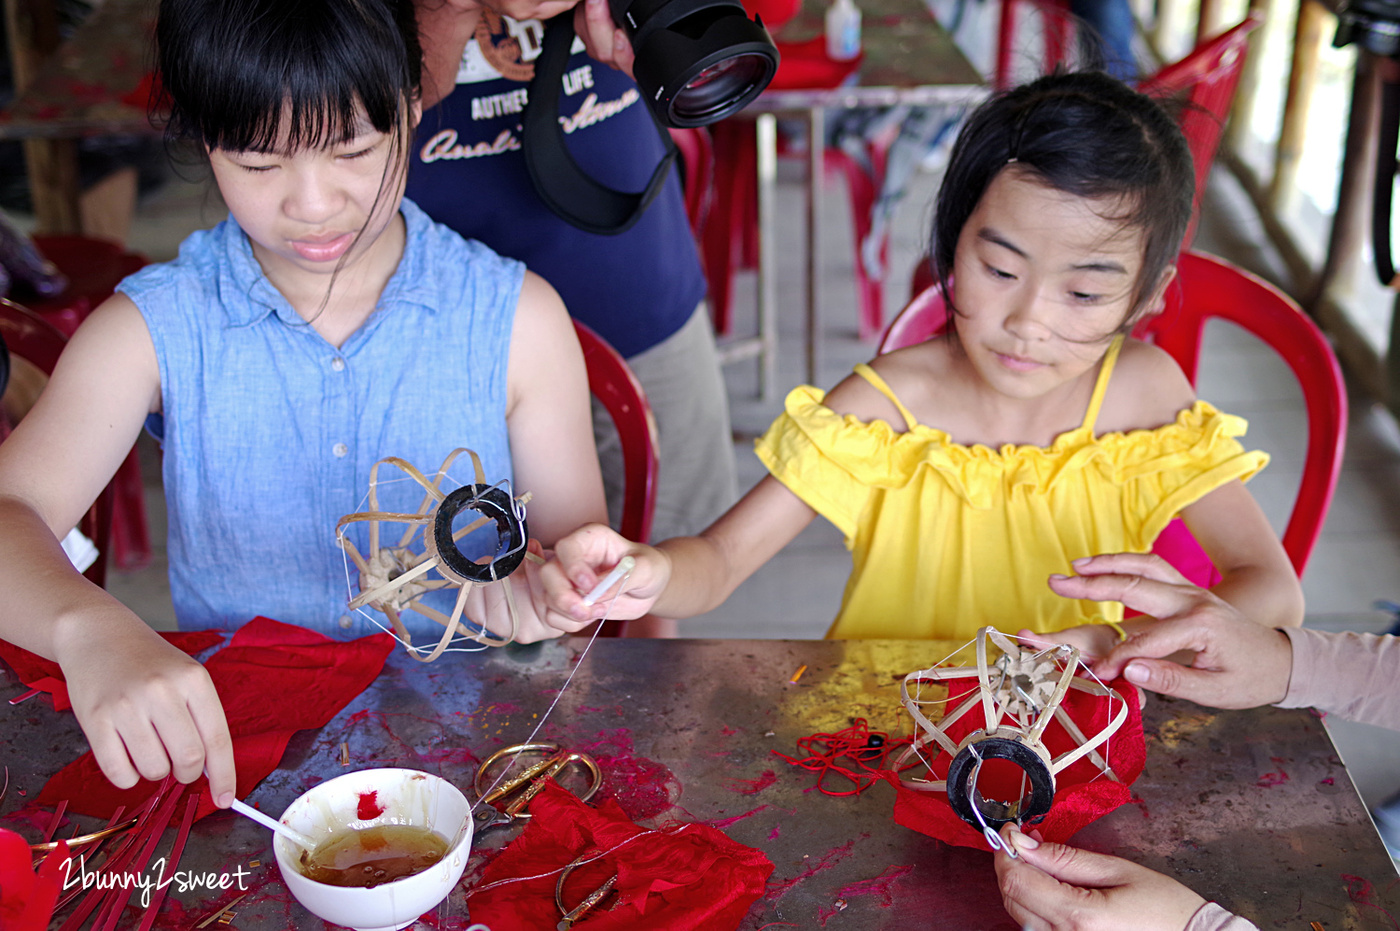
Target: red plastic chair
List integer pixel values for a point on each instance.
(1208, 287)
(730, 239)
(613, 384)
(94, 268)
(1057, 25)
(30, 337)
(1206, 78)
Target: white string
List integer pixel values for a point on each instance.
(597, 628)
(577, 863)
(993, 838)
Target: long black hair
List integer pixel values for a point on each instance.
(236, 70)
(1086, 134)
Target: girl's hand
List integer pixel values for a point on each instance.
(1053, 887)
(1091, 640)
(585, 557)
(148, 710)
(534, 619)
(604, 40)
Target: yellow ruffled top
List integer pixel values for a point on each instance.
(946, 538)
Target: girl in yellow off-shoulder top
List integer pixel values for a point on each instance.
(970, 472)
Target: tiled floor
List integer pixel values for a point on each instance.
(796, 594)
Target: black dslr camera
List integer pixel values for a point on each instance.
(698, 61)
(1372, 24)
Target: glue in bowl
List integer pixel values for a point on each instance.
(384, 796)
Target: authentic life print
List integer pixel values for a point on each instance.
(506, 48)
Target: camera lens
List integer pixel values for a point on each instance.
(721, 89)
(697, 61)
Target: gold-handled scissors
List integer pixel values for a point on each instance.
(529, 781)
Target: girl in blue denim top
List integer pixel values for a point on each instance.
(326, 324)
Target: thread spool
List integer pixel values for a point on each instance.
(963, 793)
(494, 504)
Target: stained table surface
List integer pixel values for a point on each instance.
(1253, 809)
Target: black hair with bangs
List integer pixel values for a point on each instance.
(1086, 134)
(236, 70)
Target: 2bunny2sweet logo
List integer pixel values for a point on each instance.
(148, 882)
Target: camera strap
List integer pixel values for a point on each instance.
(1388, 136)
(565, 187)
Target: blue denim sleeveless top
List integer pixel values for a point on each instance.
(269, 432)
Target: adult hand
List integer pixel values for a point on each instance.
(585, 557)
(603, 38)
(148, 710)
(1238, 663)
(1054, 887)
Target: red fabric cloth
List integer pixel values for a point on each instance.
(680, 878)
(273, 680)
(1082, 793)
(27, 898)
(43, 674)
(804, 65)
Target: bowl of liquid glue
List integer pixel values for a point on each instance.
(390, 845)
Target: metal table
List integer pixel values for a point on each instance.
(908, 59)
(1253, 809)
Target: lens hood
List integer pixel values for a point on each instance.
(697, 61)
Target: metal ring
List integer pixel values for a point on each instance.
(493, 503)
(564, 875)
(518, 750)
(482, 783)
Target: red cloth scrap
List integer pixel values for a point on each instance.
(274, 679)
(44, 674)
(1082, 793)
(679, 878)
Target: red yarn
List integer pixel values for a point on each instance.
(863, 750)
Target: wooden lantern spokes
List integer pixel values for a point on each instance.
(395, 577)
(1019, 693)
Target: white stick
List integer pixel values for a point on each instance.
(291, 834)
(624, 566)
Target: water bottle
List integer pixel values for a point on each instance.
(842, 30)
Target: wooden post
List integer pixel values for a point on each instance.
(1208, 18)
(1350, 222)
(1242, 111)
(1302, 78)
(1171, 22)
(52, 163)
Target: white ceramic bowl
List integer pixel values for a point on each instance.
(407, 797)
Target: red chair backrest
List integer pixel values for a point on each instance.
(1207, 287)
(30, 337)
(93, 268)
(614, 385)
(922, 318)
(1207, 78)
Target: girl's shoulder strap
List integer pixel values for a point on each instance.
(879, 384)
(1101, 385)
